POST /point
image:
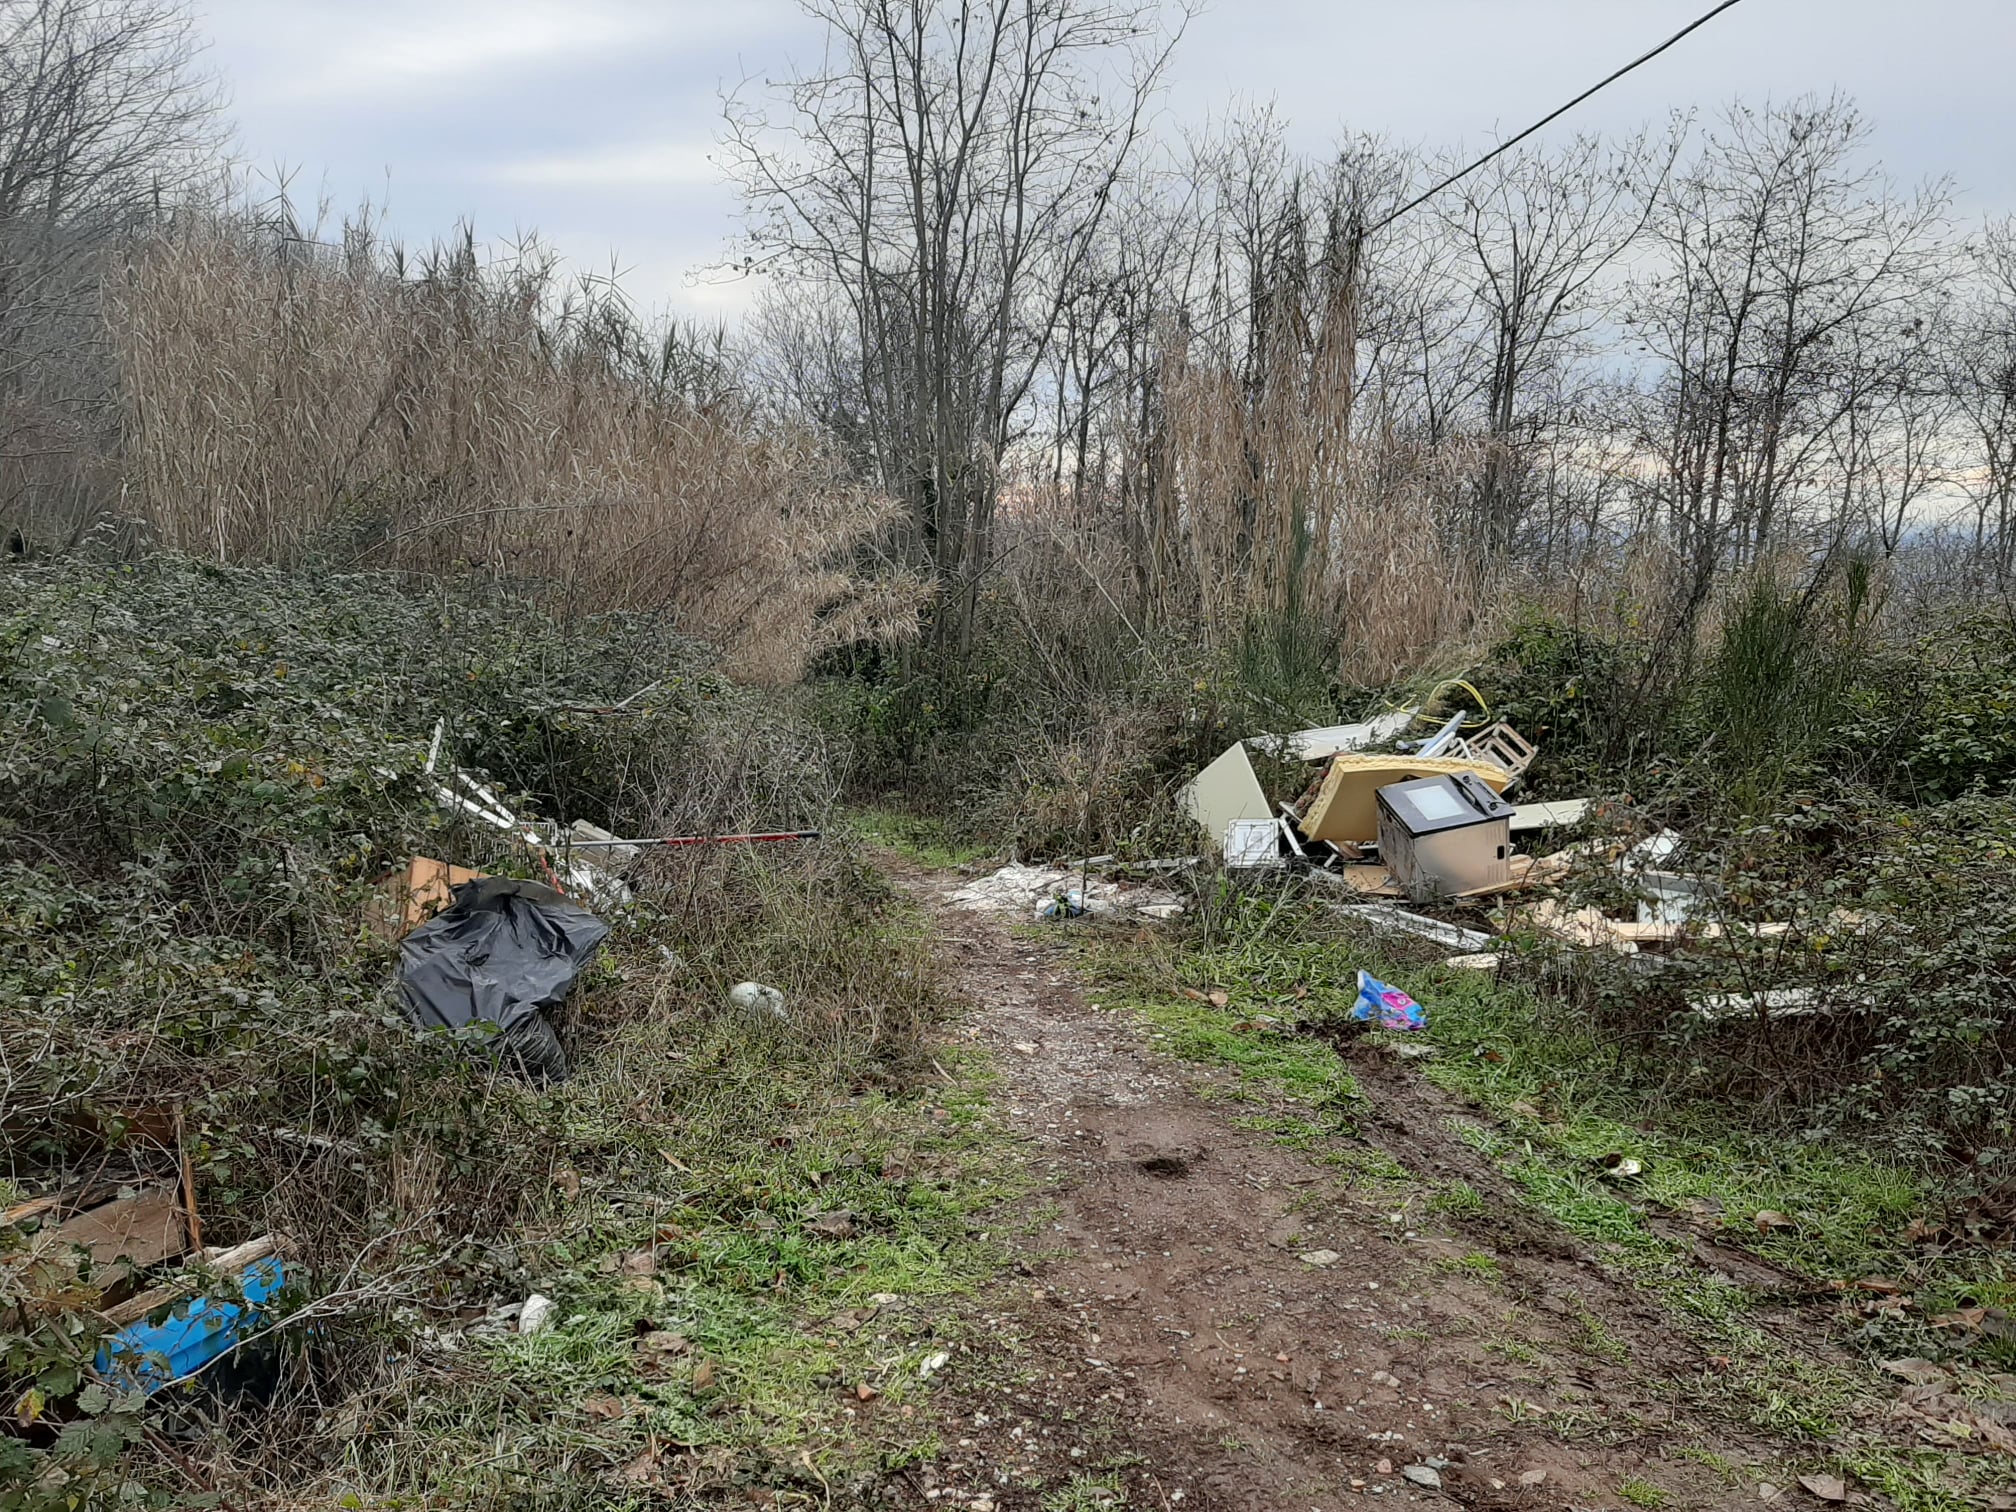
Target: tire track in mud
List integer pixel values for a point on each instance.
(1168, 1329)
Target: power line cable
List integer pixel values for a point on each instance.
(1502, 147)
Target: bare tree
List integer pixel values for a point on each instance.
(1782, 255)
(944, 177)
(105, 115)
(1537, 233)
(1981, 375)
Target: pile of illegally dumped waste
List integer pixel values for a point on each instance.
(1388, 815)
(1391, 819)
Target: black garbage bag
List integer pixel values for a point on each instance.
(504, 952)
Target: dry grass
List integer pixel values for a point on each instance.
(288, 399)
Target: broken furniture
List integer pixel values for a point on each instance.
(410, 897)
(1444, 836)
(1500, 745)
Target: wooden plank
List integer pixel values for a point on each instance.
(1565, 811)
(144, 1229)
(1585, 928)
(228, 1261)
(70, 1201)
(1372, 881)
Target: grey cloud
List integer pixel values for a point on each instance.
(591, 119)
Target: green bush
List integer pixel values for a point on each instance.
(206, 770)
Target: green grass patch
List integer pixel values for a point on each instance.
(1640, 1492)
(925, 839)
(1560, 1103)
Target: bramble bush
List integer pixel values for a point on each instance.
(206, 770)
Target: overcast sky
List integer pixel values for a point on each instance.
(592, 121)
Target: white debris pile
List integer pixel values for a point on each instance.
(1024, 890)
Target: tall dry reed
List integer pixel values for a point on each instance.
(290, 399)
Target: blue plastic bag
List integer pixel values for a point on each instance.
(1387, 1007)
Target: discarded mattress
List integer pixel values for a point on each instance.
(502, 953)
(1345, 808)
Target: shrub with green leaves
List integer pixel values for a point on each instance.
(207, 771)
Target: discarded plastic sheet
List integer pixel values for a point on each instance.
(503, 953)
(1387, 1007)
(1385, 916)
(1777, 1002)
(1069, 904)
(1565, 812)
(757, 1000)
(1345, 808)
(537, 1315)
(1223, 792)
(196, 1330)
(1315, 745)
(1020, 890)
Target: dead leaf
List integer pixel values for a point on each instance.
(895, 1167)
(675, 1162)
(1961, 1317)
(662, 1342)
(1220, 1000)
(643, 1470)
(641, 1262)
(865, 1393)
(835, 1225)
(703, 1375)
(1771, 1218)
(1827, 1487)
(1914, 1369)
(568, 1181)
(1194, 995)
(1881, 1284)
(1532, 1477)
(605, 1408)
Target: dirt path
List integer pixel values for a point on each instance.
(1211, 1319)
